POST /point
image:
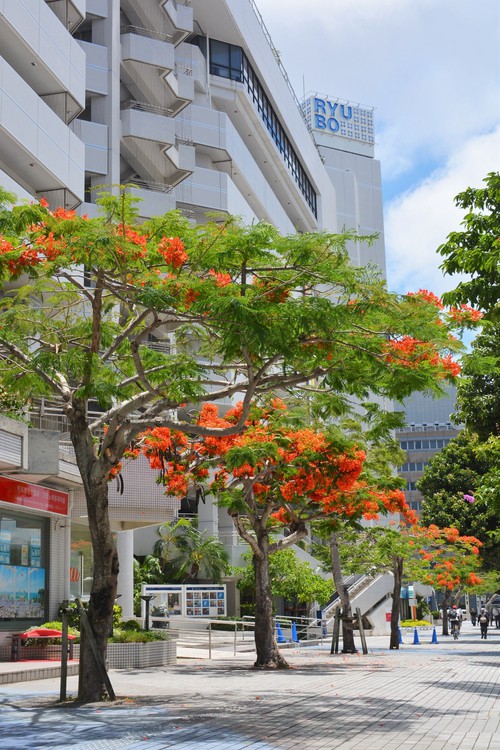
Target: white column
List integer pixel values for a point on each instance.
(125, 549)
(208, 516)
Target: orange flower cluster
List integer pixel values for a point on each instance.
(465, 314)
(159, 444)
(173, 252)
(411, 352)
(221, 279)
(428, 297)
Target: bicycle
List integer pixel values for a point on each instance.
(455, 629)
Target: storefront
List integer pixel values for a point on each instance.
(33, 528)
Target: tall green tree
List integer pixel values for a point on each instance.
(475, 250)
(449, 485)
(478, 399)
(82, 300)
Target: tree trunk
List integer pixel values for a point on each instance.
(105, 568)
(268, 654)
(397, 570)
(348, 646)
(446, 605)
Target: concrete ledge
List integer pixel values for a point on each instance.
(35, 673)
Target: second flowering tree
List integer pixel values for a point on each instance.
(273, 477)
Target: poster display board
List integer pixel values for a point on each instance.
(187, 600)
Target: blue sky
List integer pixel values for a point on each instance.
(431, 70)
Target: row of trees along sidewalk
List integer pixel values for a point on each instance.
(252, 312)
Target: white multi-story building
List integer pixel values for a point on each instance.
(187, 101)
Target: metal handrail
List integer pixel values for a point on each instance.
(158, 187)
(145, 107)
(150, 33)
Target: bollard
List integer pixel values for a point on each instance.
(416, 642)
(434, 636)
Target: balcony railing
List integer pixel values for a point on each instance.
(150, 33)
(145, 107)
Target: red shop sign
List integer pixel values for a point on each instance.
(33, 496)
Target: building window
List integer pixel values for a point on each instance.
(226, 60)
(229, 61)
(423, 445)
(23, 568)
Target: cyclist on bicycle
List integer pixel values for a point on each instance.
(455, 617)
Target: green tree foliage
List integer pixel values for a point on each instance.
(478, 400)
(291, 578)
(459, 470)
(475, 250)
(83, 299)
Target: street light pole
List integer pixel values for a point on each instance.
(146, 598)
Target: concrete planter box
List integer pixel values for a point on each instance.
(139, 655)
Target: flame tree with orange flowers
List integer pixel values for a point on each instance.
(441, 558)
(272, 476)
(140, 319)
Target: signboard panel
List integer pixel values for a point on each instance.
(188, 600)
(33, 496)
(337, 117)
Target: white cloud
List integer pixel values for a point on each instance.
(420, 220)
(430, 68)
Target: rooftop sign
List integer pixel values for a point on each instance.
(338, 117)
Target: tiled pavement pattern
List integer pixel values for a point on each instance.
(421, 697)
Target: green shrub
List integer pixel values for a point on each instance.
(134, 636)
(74, 617)
(413, 623)
(130, 625)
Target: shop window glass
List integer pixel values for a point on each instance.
(23, 567)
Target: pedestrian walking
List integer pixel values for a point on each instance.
(484, 621)
(495, 615)
(473, 616)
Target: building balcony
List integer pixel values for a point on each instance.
(170, 17)
(37, 149)
(155, 198)
(149, 145)
(180, 89)
(95, 137)
(96, 69)
(40, 49)
(147, 58)
(205, 188)
(149, 71)
(190, 57)
(180, 17)
(71, 13)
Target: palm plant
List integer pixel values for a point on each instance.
(185, 553)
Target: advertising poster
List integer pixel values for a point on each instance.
(22, 592)
(5, 537)
(35, 546)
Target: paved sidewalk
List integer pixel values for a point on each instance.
(421, 697)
